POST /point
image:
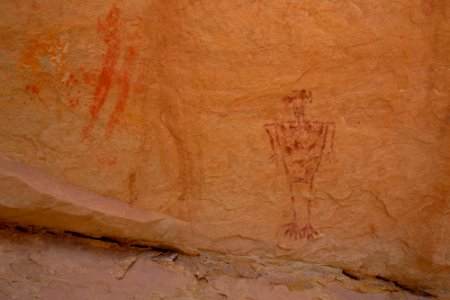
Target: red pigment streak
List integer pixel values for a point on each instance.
(111, 29)
(107, 159)
(126, 73)
(34, 5)
(34, 89)
(427, 7)
(88, 77)
(74, 102)
(142, 79)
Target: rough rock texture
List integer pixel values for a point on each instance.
(45, 267)
(309, 130)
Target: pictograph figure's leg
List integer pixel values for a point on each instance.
(293, 230)
(329, 139)
(309, 210)
(308, 231)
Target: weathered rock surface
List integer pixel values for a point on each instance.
(174, 123)
(42, 266)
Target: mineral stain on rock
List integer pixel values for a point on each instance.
(33, 89)
(132, 188)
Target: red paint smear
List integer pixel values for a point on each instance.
(427, 7)
(88, 77)
(34, 89)
(111, 29)
(107, 159)
(34, 5)
(142, 81)
(74, 102)
(126, 73)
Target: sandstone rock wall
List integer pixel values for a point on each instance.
(311, 130)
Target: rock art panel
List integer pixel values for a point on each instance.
(154, 121)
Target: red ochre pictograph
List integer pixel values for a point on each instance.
(299, 145)
(110, 28)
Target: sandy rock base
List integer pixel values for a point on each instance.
(47, 266)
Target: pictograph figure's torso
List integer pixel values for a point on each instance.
(300, 145)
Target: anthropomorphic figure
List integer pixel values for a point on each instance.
(299, 145)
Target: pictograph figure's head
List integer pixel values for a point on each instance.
(302, 95)
(299, 100)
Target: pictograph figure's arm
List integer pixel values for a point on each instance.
(329, 140)
(273, 139)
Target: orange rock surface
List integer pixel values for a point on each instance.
(308, 130)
